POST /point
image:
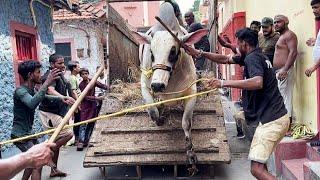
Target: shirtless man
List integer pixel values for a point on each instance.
(315, 43)
(284, 58)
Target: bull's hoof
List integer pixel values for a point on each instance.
(160, 121)
(193, 170)
(192, 157)
(154, 115)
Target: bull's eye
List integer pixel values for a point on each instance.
(173, 56)
(152, 58)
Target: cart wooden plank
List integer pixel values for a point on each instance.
(134, 139)
(205, 105)
(155, 159)
(126, 123)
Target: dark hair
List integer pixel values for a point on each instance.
(72, 65)
(27, 67)
(248, 35)
(53, 58)
(84, 70)
(257, 23)
(313, 2)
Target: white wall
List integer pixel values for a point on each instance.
(97, 32)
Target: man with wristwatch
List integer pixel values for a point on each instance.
(262, 102)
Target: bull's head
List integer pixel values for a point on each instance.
(165, 53)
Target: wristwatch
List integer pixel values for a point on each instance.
(200, 54)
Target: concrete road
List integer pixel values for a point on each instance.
(71, 162)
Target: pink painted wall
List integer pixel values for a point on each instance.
(133, 12)
(153, 8)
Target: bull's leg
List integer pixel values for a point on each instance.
(187, 126)
(147, 97)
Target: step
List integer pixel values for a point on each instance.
(312, 153)
(307, 171)
(314, 170)
(293, 169)
(288, 149)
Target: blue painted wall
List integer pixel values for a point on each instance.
(19, 11)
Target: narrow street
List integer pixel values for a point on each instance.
(71, 160)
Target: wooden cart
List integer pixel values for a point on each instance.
(134, 140)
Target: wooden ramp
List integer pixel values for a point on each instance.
(134, 140)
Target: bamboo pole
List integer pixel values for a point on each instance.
(66, 118)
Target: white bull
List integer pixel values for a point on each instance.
(168, 68)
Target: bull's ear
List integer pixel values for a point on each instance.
(194, 37)
(141, 38)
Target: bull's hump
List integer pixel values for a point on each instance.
(166, 14)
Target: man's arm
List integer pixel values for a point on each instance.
(310, 70)
(226, 44)
(12, 166)
(292, 42)
(31, 101)
(73, 84)
(52, 91)
(254, 79)
(37, 156)
(254, 83)
(74, 94)
(101, 86)
(52, 97)
(218, 58)
(66, 99)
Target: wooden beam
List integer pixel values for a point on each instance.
(157, 150)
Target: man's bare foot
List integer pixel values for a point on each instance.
(57, 173)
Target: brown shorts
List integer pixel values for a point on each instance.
(267, 137)
(50, 121)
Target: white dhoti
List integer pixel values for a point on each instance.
(286, 89)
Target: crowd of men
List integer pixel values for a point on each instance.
(268, 59)
(53, 97)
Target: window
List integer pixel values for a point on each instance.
(24, 41)
(26, 46)
(64, 49)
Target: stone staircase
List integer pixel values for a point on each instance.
(297, 160)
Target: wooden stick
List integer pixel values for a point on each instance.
(66, 118)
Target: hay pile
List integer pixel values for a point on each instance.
(203, 85)
(125, 92)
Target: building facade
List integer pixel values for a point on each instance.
(138, 14)
(25, 33)
(82, 37)
(305, 105)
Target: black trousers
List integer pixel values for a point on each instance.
(76, 129)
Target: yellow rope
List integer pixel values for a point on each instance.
(148, 73)
(178, 92)
(108, 116)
